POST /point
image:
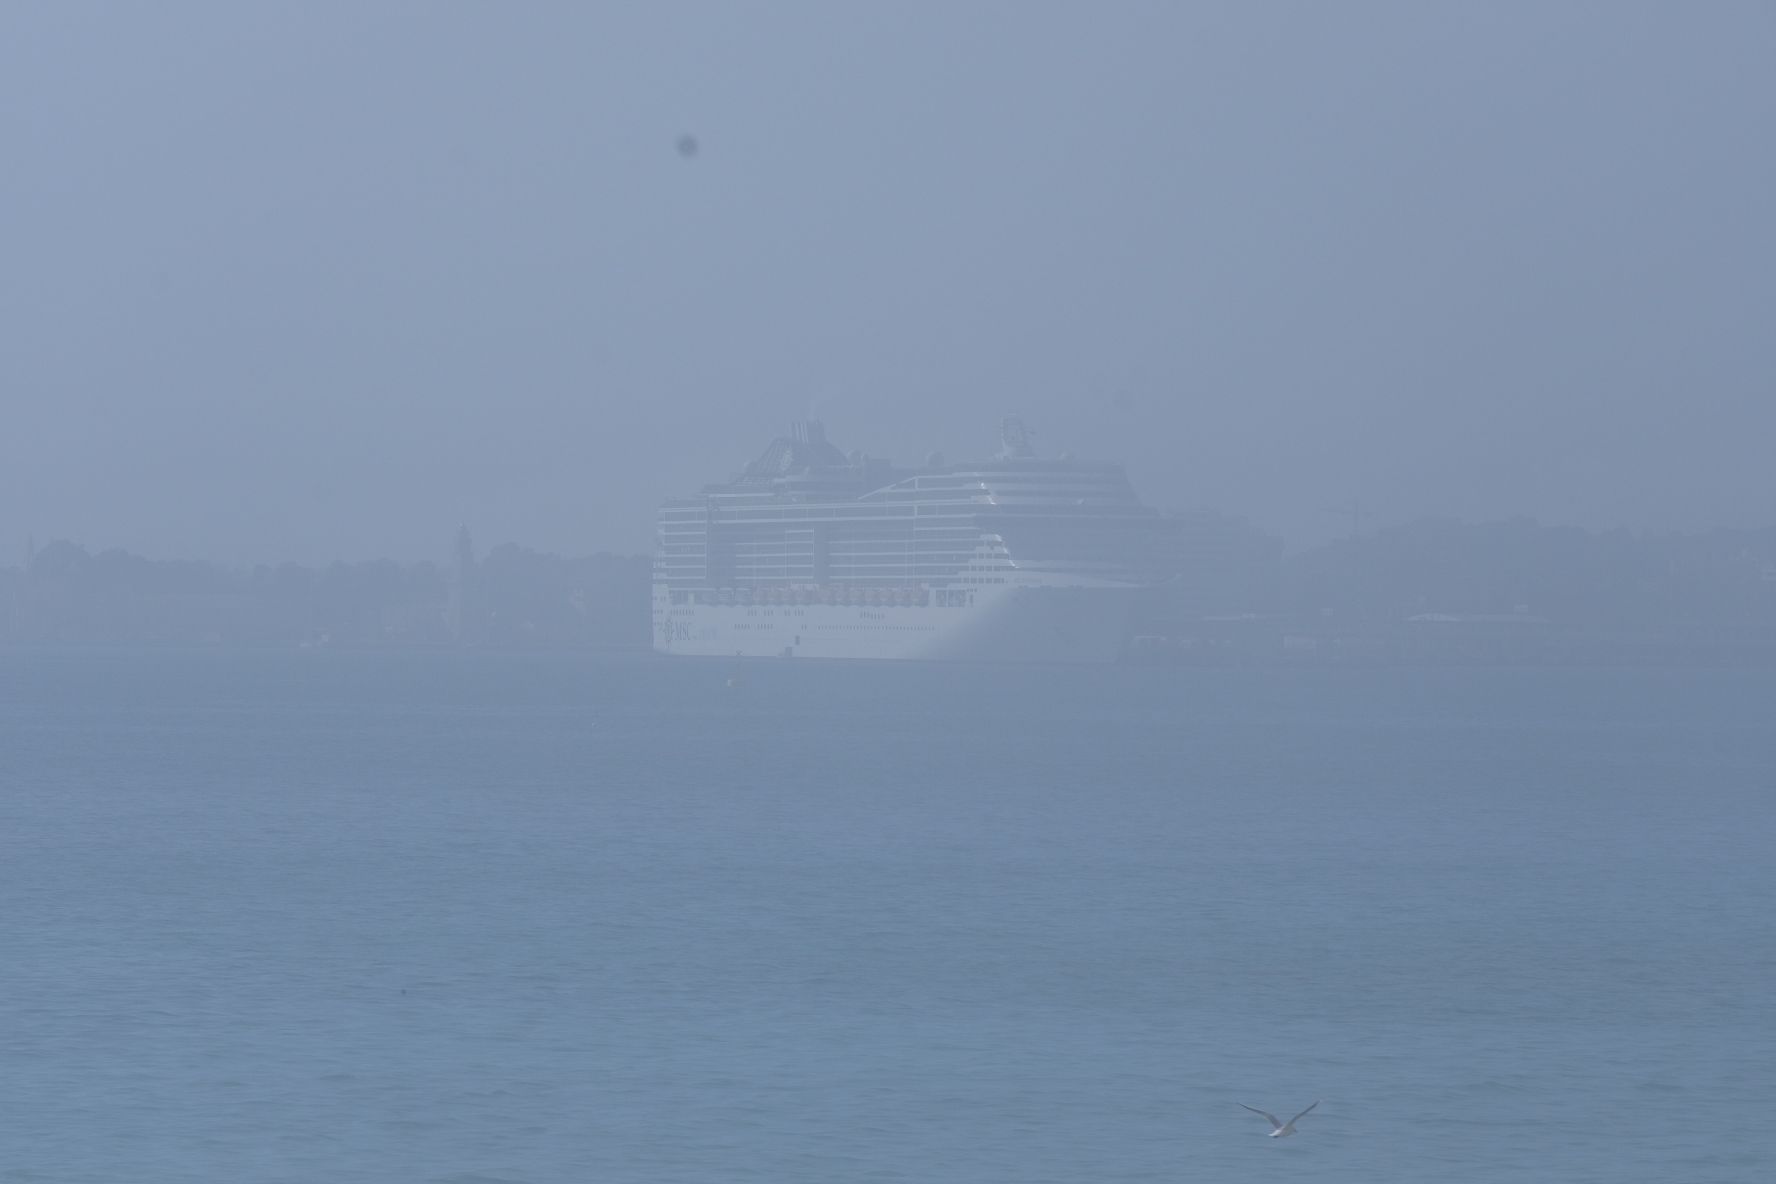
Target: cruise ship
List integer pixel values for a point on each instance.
(814, 553)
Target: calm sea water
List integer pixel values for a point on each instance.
(473, 918)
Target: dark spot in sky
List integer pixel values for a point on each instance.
(687, 146)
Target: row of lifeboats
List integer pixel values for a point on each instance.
(828, 594)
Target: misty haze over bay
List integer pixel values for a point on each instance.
(423, 759)
(323, 282)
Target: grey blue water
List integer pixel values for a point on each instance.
(474, 918)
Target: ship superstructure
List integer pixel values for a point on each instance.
(811, 552)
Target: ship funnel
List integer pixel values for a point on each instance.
(1014, 437)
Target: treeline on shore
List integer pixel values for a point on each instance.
(510, 596)
(1515, 590)
(1433, 588)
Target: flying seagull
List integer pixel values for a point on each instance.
(1281, 1128)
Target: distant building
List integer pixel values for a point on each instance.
(463, 611)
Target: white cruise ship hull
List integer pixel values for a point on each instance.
(1007, 624)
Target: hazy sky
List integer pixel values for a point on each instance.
(326, 279)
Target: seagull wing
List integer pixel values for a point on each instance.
(1271, 1118)
(1303, 1114)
